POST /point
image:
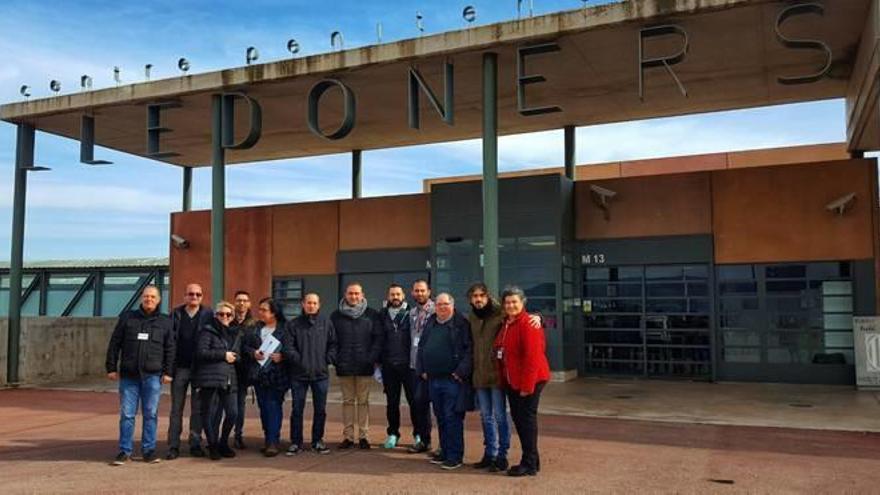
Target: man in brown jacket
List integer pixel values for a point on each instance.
(486, 317)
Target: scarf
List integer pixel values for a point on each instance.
(353, 312)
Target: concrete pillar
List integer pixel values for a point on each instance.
(218, 199)
(491, 275)
(356, 178)
(24, 160)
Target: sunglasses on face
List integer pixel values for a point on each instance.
(224, 315)
(194, 294)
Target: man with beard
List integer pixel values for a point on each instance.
(421, 405)
(396, 370)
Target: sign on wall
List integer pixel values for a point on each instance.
(866, 335)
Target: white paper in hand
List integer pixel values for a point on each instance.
(377, 374)
(270, 345)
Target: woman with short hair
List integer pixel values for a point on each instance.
(523, 370)
(216, 353)
(266, 373)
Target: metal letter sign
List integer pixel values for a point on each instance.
(446, 110)
(522, 79)
(667, 61)
(796, 44)
(256, 128)
(349, 109)
(87, 142)
(155, 129)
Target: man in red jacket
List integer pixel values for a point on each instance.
(523, 370)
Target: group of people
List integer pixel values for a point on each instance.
(430, 352)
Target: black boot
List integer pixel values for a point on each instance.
(500, 465)
(485, 462)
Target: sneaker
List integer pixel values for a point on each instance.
(485, 462)
(151, 457)
(225, 451)
(436, 458)
(121, 459)
(450, 465)
(172, 454)
(418, 448)
(346, 444)
(293, 450)
(196, 451)
(364, 444)
(390, 442)
(239, 443)
(320, 448)
(500, 465)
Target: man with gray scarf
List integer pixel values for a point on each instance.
(421, 405)
(359, 343)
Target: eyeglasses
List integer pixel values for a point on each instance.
(194, 294)
(224, 315)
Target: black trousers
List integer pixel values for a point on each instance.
(524, 411)
(395, 378)
(420, 407)
(217, 404)
(241, 394)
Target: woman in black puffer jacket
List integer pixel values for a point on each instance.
(217, 351)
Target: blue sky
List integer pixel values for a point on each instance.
(76, 211)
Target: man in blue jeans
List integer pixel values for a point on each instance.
(141, 357)
(309, 346)
(486, 318)
(445, 360)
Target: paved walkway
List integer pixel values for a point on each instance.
(54, 441)
(819, 407)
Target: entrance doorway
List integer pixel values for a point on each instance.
(648, 320)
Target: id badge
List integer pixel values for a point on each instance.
(499, 354)
(416, 341)
(143, 336)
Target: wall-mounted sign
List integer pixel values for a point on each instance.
(866, 337)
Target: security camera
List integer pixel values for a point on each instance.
(601, 197)
(179, 242)
(841, 204)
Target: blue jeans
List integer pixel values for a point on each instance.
(496, 429)
(270, 401)
(132, 391)
(319, 403)
(450, 423)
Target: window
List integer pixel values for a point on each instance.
(288, 293)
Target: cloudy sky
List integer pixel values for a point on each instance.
(76, 211)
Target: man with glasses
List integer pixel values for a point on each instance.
(188, 320)
(242, 324)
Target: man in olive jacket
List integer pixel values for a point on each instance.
(486, 317)
(359, 335)
(141, 357)
(309, 347)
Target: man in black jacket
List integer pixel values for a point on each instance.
(308, 347)
(188, 320)
(445, 360)
(396, 370)
(359, 336)
(141, 357)
(243, 324)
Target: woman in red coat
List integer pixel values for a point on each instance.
(523, 370)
